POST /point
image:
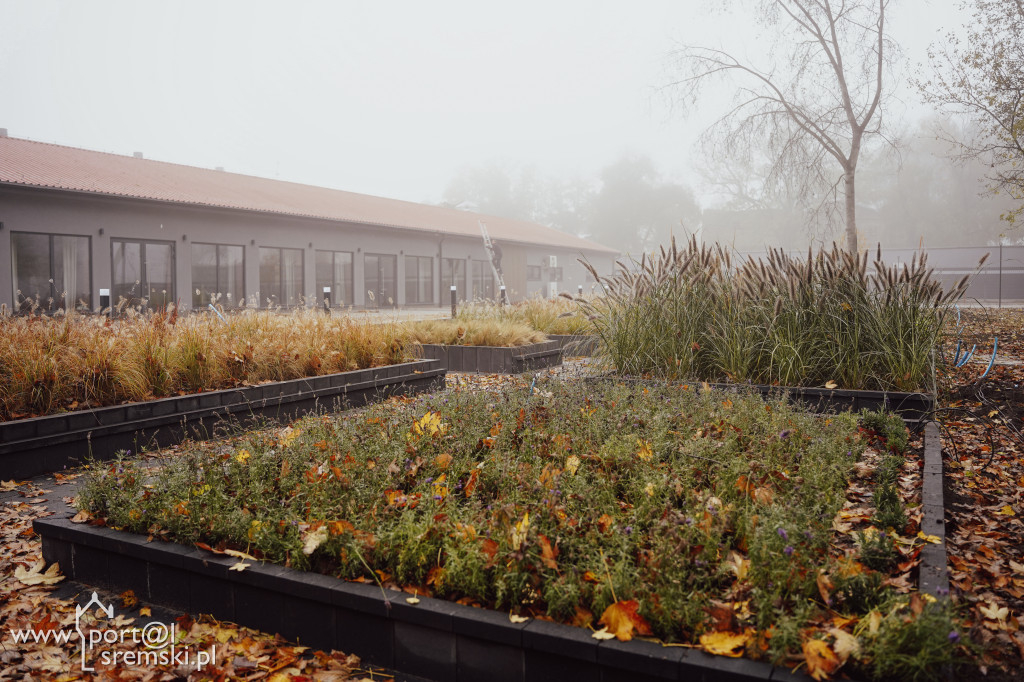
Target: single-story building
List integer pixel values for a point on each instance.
(74, 222)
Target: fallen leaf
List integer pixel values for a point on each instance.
(239, 555)
(81, 517)
(831, 385)
(621, 619)
(412, 600)
(821, 660)
(313, 539)
(240, 566)
(725, 643)
(547, 552)
(35, 576)
(517, 619)
(145, 612)
(603, 634)
(934, 539)
(846, 645)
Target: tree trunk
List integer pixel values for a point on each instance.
(851, 211)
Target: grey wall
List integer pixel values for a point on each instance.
(106, 218)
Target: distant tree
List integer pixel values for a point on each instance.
(635, 210)
(982, 78)
(924, 196)
(628, 207)
(820, 96)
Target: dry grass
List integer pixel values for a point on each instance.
(53, 364)
(549, 315)
(473, 332)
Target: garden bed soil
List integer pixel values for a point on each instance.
(495, 359)
(432, 639)
(29, 447)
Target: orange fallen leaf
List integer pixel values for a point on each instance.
(621, 619)
(547, 552)
(821, 660)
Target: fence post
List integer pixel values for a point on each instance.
(327, 300)
(455, 302)
(503, 296)
(105, 302)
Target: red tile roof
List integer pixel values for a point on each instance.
(37, 164)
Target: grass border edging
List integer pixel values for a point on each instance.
(435, 639)
(495, 359)
(30, 447)
(934, 576)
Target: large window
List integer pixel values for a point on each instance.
(50, 271)
(280, 277)
(380, 280)
(483, 280)
(218, 275)
(143, 273)
(419, 279)
(453, 271)
(334, 270)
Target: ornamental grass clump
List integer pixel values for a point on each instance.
(780, 320)
(559, 315)
(472, 332)
(53, 364)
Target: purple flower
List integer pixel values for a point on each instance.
(954, 637)
(783, 534)
(785, 433)
(788, 551)
(628, 530)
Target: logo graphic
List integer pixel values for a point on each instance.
(155, 644)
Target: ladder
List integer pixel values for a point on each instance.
(489, 248)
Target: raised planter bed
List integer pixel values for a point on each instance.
(432, 640)
(29, 447)
(495, 359)
(575, 344)
(915, 408)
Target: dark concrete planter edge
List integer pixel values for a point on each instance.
(116, 554)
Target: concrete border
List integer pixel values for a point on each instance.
(495, 359)
(432, 640)
(29, 447)
(934, 573)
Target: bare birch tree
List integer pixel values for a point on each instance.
(819, 96)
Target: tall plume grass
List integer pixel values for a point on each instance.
(691, 313)
(50, 364)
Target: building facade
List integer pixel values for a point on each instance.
(75, 223)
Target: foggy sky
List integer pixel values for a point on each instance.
(385, 98)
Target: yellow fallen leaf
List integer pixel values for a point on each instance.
(821, 660)
(739, 565)
(831, 385)
(145, 612)
(1007, 510)
(412, 600)
(35, 576)
(240, 555)
(240, 566)
(725, 643)
(934, 539)
(603, 634)
(517, 619)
